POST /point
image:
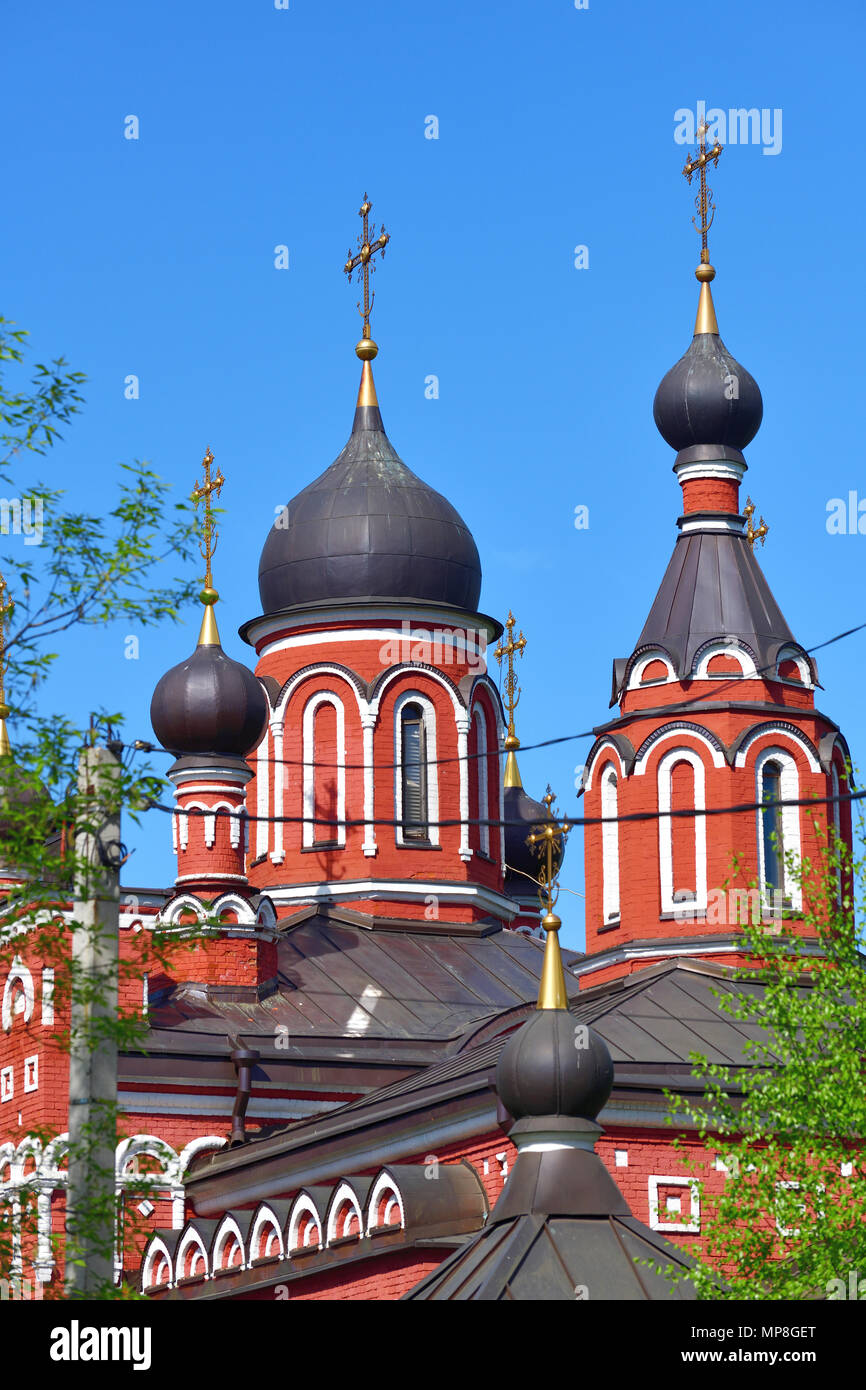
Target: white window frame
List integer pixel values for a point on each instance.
(610, 897)
(666, 845)
(482, 776)
(323, 697)
(791, 844)
(428, 709)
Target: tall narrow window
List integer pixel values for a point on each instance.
(683, 844)
(325, 775)
(482, 773)
(610, 846)
(771, 828)
(414, 771)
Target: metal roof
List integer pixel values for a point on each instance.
(339, 980)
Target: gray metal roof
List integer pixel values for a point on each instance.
(337, 979)
(369, 528)
(543, 1258)
(714, 588)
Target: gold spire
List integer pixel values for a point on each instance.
(512, 696)
(6, 607)
(546, 839)
(363, 263)
(706, 209)
(209, 634)
(753, 535)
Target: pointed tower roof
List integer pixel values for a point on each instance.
(709, 408)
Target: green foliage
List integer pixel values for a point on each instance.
(88, 567)
(790, 1218)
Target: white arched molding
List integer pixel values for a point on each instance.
(199, 1263)
(461, 720)
(236, 814)
(800, 661)
(789, 791)
(264, 753)
(414, 697)
(202, 1144)
(323, 697)
(344, 1197)
(666, 855)
(636, 676)
(732, 648)
(303, 1206)
(18, 974)
(157, 1256)
(610, 845)
(227, 1231)
(482, 772)
(384, 1186)
(774, 731)
(265, 1221)
(278, 853)
(609, 748)
(677, 731)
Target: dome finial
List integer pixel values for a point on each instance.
(706, 209)
(6, 607)
(209, 634)
(512, 695)
(548, 840)
(363, 263)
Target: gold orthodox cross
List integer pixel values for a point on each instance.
(362, 261)
(512, 689)
(212, 486)
(751, 534)
(548, 842)
(512, 695)
(704, 200)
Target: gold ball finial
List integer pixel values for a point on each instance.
(705, 272)
(366, 349)
(551, 922)
(208, 597)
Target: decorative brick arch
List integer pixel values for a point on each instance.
(385, 1199)
(264, 1232)
(664, 774)
(191, 1258)
(158, 1267)
(18, 974)
(227, 1237)
(676, 729)
(344, 1210)
(302, 1218)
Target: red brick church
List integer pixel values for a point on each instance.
(340, 1076)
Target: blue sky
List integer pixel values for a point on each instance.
(262, 127)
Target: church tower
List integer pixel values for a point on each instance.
(380, 767)
(716, 703)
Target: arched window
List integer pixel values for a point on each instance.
(683, 847)
(610, 846)
(481, 774)
(771, 827)
(682, 839)
(777, 782)
(324, 772)
(413, 748)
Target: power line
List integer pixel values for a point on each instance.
(144, 745)
(571, 821)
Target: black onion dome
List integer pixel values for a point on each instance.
(519, 855)
(708, 398)
(209, 704)
(554, 1065)
(369, 528)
